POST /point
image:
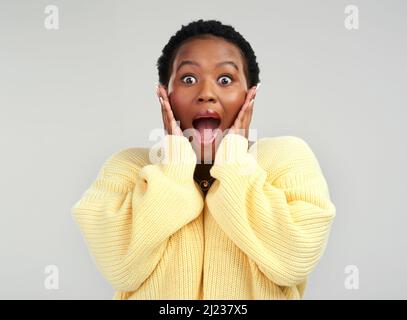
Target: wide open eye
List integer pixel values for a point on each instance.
(225, 80)
(188, 79)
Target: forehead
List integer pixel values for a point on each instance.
(208, 51)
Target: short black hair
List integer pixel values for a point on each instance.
(201, 28)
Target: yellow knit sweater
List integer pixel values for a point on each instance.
(258, 234)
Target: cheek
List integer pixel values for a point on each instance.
(234, 99)
(179, 104)
(177, 98)
(233, 102)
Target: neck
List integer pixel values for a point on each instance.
(202, 170)
(202, 173)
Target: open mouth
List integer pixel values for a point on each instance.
(206, 123)
(207, 128)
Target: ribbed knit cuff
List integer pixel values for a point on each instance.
(179, 159)
(232, 154)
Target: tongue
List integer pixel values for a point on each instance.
(209, 124)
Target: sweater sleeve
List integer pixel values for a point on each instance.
(278, 213)
(129, 212)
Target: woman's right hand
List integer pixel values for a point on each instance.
(170, 125)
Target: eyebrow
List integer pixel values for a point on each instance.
(217, 65)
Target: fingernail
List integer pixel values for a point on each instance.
(257, 86)
(161, 100)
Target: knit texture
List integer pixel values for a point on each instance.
(258, 234)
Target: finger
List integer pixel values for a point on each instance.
(174, 126)
(163, 93)
(243, 120)
(251, 110)
(242, 113)
(168, 114)
(168, 110)
(239, 116)
(256, 88)
(250, 94)
(249, 97)
(157, 90)
(170, 118)
(246, 114)
(243, 109)
(164, 96)
(160, 91)
(238, 122)
(164, 114)
(253, 93)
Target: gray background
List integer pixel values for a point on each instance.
(71, 97)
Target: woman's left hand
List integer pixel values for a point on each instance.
(244, 117)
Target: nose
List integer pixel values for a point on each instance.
(207, 93)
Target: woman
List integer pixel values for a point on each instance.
(219, 218)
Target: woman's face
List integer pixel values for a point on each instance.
(207, 73)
